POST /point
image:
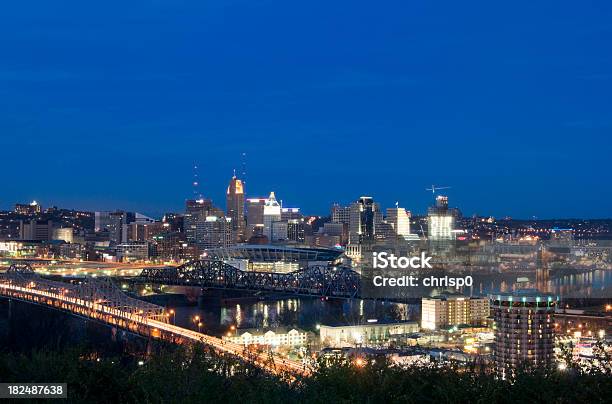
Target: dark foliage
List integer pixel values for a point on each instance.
(178, 376)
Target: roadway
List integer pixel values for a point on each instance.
(110, 315)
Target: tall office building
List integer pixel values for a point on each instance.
(295, 231)
(144, 231)
(214, 232)
(279, 232)
(441, 220)
(450, 310)
(399, 218)
(102, 221)
(255, 212)
(235, 207)
(364, 216)
(117, 227)
(524, 333)
(340, 214)
(271, 214)
(195, 210)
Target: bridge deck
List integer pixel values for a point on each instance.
(37, 291)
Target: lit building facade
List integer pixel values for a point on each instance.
(340, 214)
(195, 210)
(279, 232)
(365, 334)
(32, 208)
(235, 207)
(290, 214)
(277, 337)
(255, 215)
(441, 220)
(271, 214)
(524, 330)
(295, 231)
(214, 232)
(136, 251)
(449, 310)
(399, 218)
(64, 233)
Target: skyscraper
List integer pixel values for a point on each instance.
(214, 232)
(195, 210)
(400, 220)
(271, 214)
(524, 333)
(117, 227)
(340, 214)
(364, 216)
(235, 207)
(295, 231)
(255, 212)
(441, 220)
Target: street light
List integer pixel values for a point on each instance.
(173, 314)
(199, 327)
(196, 321)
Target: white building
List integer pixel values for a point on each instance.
(366, 334)
(280, 337)
(399, 218)
(271, 214)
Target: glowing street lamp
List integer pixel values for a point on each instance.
(173, 314)
(196, 321)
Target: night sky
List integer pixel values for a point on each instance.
(108, 105)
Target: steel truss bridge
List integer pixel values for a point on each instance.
(321, 281)
(101, 300)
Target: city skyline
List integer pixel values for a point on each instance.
(218, 199)
(273, 201)
(426, 199)
(109, 110)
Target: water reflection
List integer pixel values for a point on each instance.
(305, 313)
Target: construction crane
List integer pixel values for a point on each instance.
(434, 188)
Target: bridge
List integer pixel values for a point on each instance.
(101, 300)
(321, 281)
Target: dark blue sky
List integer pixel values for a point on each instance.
(107, 106)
